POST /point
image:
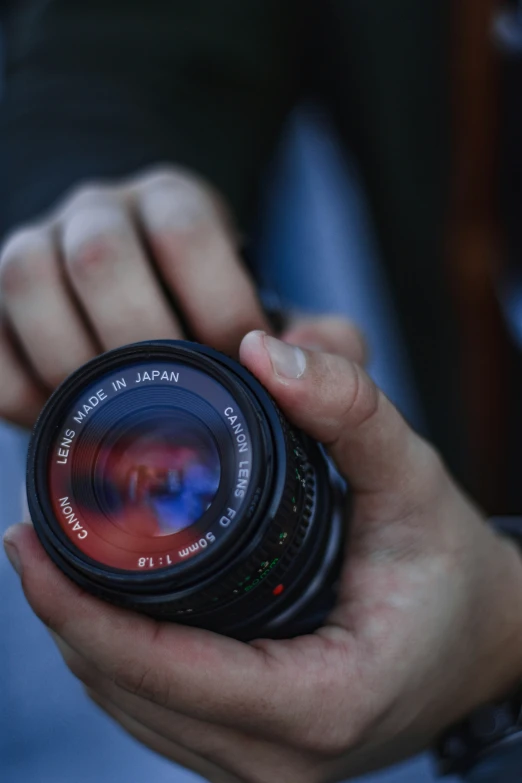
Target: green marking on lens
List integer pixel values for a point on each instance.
(266, 567)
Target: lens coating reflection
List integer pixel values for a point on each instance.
(144, 466)
(158, 473)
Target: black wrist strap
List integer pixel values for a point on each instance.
(493, 726)
(486, 731)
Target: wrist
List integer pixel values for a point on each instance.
(486, 659)
(493, 718)
(500, 663)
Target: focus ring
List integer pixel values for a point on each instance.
(282, 541)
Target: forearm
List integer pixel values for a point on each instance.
(101, 90)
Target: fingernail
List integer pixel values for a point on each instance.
(13, 556)
(288, 361)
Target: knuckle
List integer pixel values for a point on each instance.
(95, 233)
(90, 256)
(362, 400)
(170, 177)
(82, 196)
(19, 258)
(174, 202)
(20, 401)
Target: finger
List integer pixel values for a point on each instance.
(337, 403)
(165, 747)
(40, 308)
(234, 751)
(186, 740)
(197, 256)
(329, 333)
(231, 753)
(188, 669)
(109, 271)
(191, 671)
(204, 743)
(21, 399)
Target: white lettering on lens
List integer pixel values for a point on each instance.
(242, 443)
(201, 544)
(64, 448)
(226, 520)
(154, 375)
(119, 384)
(71, 518)
(242, 480)
(93, 402)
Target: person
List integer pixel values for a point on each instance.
(429, 621)
(101, 94)
(428, 626)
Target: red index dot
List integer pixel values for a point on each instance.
(278, 590)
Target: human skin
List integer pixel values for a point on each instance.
(427, 627)
(428, 623)
(120, 262)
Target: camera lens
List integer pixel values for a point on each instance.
(163, 478)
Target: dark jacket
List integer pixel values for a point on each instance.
(101, 89)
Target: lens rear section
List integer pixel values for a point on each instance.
(162, 477)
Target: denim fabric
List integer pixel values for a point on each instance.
(504, 766)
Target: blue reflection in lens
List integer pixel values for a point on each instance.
(166, 467)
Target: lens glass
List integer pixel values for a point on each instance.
(150, 466)
(157, 472)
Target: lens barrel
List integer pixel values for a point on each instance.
(163, 478)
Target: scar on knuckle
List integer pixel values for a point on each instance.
(91, 256)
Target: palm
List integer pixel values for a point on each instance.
(393, 664)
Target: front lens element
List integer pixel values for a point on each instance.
(162, 477)
(150, 466)
(157, 472)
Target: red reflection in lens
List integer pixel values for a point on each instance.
(151, 493)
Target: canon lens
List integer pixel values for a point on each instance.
(163, 478)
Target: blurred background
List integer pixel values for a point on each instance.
(391, 194)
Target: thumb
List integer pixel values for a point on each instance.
(334, 401)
